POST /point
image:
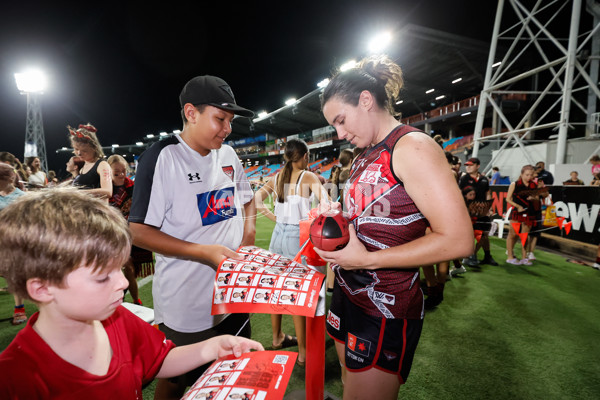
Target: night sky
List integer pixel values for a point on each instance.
(121, 66)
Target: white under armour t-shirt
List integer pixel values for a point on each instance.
(194, 198)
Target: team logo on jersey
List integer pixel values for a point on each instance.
(358, 345)
(194, 177)
(371, 174)
(216, 205)
(390, 355)
(228, 170)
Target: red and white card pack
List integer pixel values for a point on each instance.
(257, 375)
(265, 283)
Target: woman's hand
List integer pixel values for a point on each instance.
(354, 256)
(326, 205)
(215, 253)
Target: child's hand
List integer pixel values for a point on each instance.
(228, 344)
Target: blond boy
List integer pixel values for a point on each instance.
(63, 250)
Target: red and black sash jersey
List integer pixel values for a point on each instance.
(384, 216)
(521, 198)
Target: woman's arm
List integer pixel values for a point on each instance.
(260, 196)
(421, 165)
(315, 186)
(105, 190)
(185, 358)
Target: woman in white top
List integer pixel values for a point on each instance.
(292, 189)
(37, 178)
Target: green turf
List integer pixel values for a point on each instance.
(506, 332)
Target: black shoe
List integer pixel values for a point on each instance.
(488, 261)
(435, 298)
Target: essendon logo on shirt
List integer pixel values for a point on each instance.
(358, 345)
(228, 170)
(216, 206)
(371, 174)
(333, 320)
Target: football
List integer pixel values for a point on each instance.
(329, 231)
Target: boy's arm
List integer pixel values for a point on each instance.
(249, 224)
(151, 238)
(185, 358)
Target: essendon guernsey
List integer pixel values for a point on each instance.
(384, 216)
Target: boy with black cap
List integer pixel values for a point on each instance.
(192, 205)
(482, 193)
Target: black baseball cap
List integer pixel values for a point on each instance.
(472, 160)
(214, 91)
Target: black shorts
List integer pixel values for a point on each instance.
(382, 343)
(235, 324)
(482, 224)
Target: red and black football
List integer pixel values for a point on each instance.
(329, 231)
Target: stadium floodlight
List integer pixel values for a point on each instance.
(176, 131)
(323, 83)
(456, 80)
(465, 114)
(31, 81)
(290, 101)
(163, 134)
(380, 42)
(139, 143)
(348, 65)
(440, 97)
(149, 136)
(429, 91)
(115, 145)
(262, 114)
(496, 64)
(400, 102)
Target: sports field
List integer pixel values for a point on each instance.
(506, 332)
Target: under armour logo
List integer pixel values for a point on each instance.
(195, 176)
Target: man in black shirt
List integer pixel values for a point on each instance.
(542, 174)
(482, 193)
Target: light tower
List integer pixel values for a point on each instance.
(33, 83)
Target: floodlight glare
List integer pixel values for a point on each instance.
(380, 42)
(289, 102)
(496, 64)
(429, 91)
(115, 145)
(31, 81)
(323, 83)
(149, 136)
(400, 102)
(457, 80)
(163, 134)
(465, 114)
(262, 114)
(176, 131)
(139, 143)
(348, 65)
(440, 97)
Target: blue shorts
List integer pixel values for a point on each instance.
(372, 342)
(285, 240)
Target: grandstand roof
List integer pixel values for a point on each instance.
(430, 59)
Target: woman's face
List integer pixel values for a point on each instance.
(119, 172)
(35, 164)
(85, 151)
(349, 121)
(470, 195)
(527, 175)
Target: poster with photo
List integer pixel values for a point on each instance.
(266, 283)
(253, 376)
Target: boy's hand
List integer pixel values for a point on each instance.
(228, 344)
(213, 254)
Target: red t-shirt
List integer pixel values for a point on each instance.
(31, 369)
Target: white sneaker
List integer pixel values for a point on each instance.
(513, 261)
(596, 266)
(531, 256)
(458, 271)
(525, 261)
